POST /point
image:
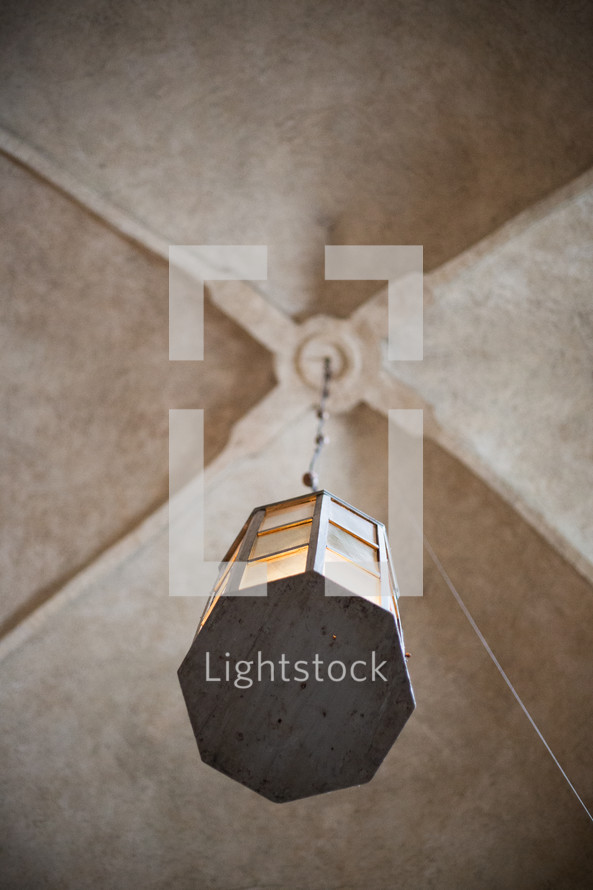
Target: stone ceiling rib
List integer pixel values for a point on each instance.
(263, 321)
(515, 226)
(44, 167)
(120, 221)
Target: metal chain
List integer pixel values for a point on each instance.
(311, 479)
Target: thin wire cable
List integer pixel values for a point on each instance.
(311, 479)
(499, 667)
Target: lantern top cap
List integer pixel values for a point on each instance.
(310, 496)
(301, 499)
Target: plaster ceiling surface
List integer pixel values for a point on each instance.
(294, 126)
(304, 124)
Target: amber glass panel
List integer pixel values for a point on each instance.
(351, 576)
(276, 516)
(263, 570)
(353, 522)
(353, 548)
(283, 539)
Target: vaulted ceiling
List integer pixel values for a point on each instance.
(464, 128)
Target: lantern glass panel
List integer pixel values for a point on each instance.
(285, 515)
(283, 539)
(263, 570)
(346, 544)
(354, 523)
(351, 576)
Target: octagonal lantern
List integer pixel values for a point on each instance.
(296, 682)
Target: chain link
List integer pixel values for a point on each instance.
(311, 478)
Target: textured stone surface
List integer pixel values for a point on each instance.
(88, 386)
(375, 123)
(284, 738)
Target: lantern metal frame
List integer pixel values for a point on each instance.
(240, 555)
(279, 597)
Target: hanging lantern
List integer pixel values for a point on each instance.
(302, 690)
(296, 682)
